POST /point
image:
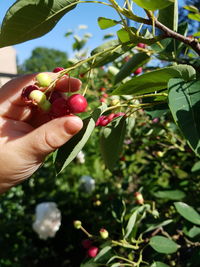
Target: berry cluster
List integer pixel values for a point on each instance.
(55, 101)
(104, 120)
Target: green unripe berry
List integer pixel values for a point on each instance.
(43, 79)
(45, 106)
(77, 224)
(103, 233)
(37, 97)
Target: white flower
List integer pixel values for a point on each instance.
(47, 220)
(87, 183)
(81, 157)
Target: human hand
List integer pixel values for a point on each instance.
(27, 136)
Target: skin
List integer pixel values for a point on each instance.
(27, 136)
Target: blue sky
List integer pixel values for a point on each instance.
(83, 14)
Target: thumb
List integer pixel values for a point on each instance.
(50, 136)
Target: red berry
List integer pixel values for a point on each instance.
(98, 122)
(26, 92)
(58, 69)
(104, 122)
(123, 158)
(119, 114)
(102, 89)
(59, 108)
(138, 71)
(105, 95)
(92, 251)
(52, 96)
(87, 243)
(77, 103)
(102, 99)
(141, 45)
(111, 116)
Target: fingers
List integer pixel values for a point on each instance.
(50, 136)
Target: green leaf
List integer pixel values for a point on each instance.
(103, 253)
(192, 8)
(196, 167)
(172, 12)
(159, 264)
(131, 224)
(193, 232)
(187, 212)
(185, 107)
(105, 23)
(64, 155)
(163, 245)
(123, 36)
(111, 141)
(194, 16)
(155, 226)
(170, 194)
(153, 4)
(138, 60)
(155, 80)
(26, 20)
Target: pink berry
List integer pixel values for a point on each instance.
(110, 117)
(59, 108)
(26, 92)
(92, 251)
(77, 103)
(141, 45)
(98, 122)
(119, 114)
(104, 122)
(86, 243)
(58, 69)
(102, 99)
(138, 71)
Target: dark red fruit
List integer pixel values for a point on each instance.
(52, 96)
(92, 252)
(26, 92)
(59, 108)
(111, 116)
(58, 69)
(119, 114)
(102, 89)
(141, 45)
(138, 71)
(87, 243)
(77, 103)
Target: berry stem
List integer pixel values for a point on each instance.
(86, 232)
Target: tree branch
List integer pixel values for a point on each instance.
(192, 42)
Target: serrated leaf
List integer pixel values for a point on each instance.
(170, 194)
(26, 20)
(155, 226)
(138, 60)
(105, 23)
(187, 212)
(159, 264)
(164, 245)
(65, 154)
(155, 80)
(153, 4)
(172, 12)
(111, 141)
(185, 107)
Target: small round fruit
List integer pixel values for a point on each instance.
(37, 97)
(141, 45)
(45, 106)
(77, 103)
(58, 69)
(87, 243)
(92, 251)
(103, 233)
(26, 92)
(138, 71)
(43, 79)
(59, 108)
